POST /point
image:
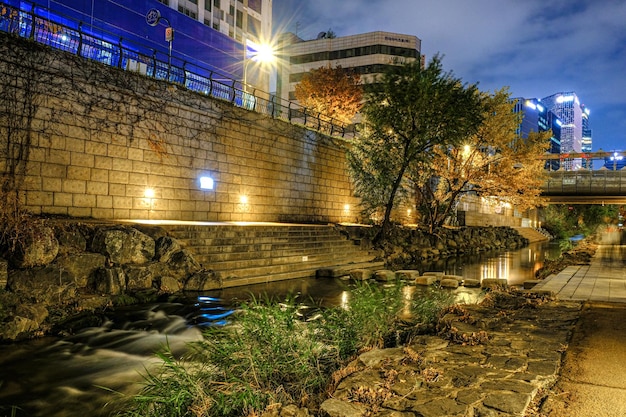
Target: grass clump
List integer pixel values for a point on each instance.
(270, 355)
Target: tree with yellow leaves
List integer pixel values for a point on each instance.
(494, 162)
(333, 92)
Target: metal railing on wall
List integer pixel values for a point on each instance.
(131, 56)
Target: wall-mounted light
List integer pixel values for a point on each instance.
(346, 208)
(206, 183)
(148, 193)
(243, 199)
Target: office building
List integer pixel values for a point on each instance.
(367, 54)
(537, 118)
(586, 138)
(239, 19)
(568, 108)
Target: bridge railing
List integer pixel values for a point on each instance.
(586, 182)
(21, 19)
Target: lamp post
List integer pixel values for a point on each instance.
(153, 17)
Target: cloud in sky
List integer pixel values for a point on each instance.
(535, 48)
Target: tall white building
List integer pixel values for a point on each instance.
(569, 110)
(246, 21)
(239, 19)
(367, 54)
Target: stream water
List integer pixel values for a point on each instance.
(79, 375)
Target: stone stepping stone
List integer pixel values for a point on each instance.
(407, 274)
(471, 283)
(449, 283)
(494, 283)
(425, 280)
(384, 275)
(360, 274)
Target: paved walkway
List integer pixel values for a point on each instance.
(592, 381)
(603, 280)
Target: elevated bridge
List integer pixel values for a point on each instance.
(585, 187)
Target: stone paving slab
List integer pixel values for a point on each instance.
(489, 359)
(604, 280)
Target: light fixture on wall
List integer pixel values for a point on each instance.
(207, 183)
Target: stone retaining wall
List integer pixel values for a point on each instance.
(99, 138)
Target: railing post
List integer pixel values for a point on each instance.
(154, 63)
(184, 74)
(32, 21)
(234, 90)
(119, 45)
(79, 51)
(210, 83)
(289, 112)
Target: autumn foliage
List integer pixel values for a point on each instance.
(333, 92)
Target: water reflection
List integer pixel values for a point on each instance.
(515, 266)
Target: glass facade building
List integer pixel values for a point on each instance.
(568, 108)
(199, 38)
(537, 118)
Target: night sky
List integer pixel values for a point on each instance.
(533, 47)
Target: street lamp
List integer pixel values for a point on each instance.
(153, 17)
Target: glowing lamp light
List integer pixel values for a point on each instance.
(148, 193)
(346, 208)
(206, 183)
(531, 104)
(243, 199)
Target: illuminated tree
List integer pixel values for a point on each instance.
(333, 92)
(494, 162)
(409, 112)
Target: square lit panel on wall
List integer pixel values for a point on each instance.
(207, 183)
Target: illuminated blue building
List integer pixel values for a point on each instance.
(537, 118)
(124, 22)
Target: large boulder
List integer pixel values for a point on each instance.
(110, 281)
(123, 245)
(204, 281)
(165, 248)
(36, 247)
(81, 266)
(48, 285)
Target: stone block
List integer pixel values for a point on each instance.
(494, 283)
(437, 274)
(425, 280)
(360, 274)
(457, 277)
(407, 274)
(528, 284)
(384, 275)
(471, 283)
(449, 283)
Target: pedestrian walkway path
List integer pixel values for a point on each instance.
(603, 280)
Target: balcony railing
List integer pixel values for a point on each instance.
(77, 38)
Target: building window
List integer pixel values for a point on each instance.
(207, 22)
(254, 26)
(239, 20)
(255, 5)
(193, 1)
(216, 3)
(165, 2)
(207, 5)
(216, 25)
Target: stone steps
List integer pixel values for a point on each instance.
(245, 255)
(531, 234)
